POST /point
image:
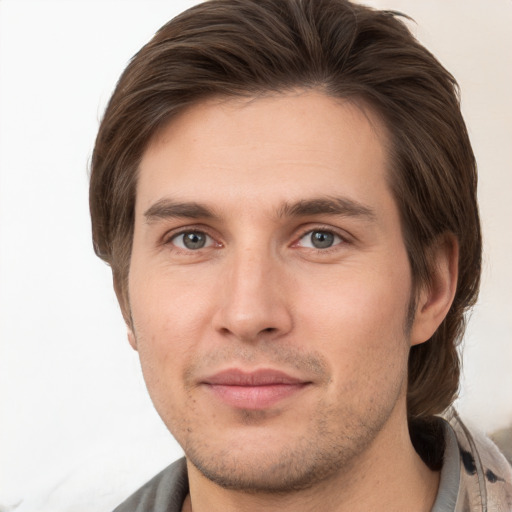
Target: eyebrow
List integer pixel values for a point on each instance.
(327, 206)
(167, 209)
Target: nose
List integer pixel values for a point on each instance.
(254, 303)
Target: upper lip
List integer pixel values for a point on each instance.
(261, 377)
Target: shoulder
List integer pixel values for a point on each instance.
(163, 493)
(485, 474)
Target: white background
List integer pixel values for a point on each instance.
(77, 429)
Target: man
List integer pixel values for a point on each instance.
(286, 193)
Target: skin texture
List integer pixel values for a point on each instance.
(254, 179)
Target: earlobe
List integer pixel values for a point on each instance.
(122, 299)
(131, 338)
(435, 298)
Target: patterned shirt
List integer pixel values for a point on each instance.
(475, 477)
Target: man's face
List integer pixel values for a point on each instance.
(269, 288)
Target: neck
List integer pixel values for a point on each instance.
(389, 475)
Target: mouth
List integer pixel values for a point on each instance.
(255, 390)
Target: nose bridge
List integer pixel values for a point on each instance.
(254, 300)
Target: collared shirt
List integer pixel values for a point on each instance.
(475, 477)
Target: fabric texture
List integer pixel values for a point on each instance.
(485, 483)
(163, 493)
(475, 477)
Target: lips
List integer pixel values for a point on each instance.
(256, 390)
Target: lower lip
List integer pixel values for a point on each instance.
(255, 397)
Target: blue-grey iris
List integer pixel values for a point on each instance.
(322, 239)
(194, 240)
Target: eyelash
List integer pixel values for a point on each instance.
(343, 239)
(169, 238)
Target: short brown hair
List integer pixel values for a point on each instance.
(252, 47)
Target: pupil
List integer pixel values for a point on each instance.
(322, 239)
(194, 240)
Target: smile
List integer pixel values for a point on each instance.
(255, 390)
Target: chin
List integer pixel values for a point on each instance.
(264, 465)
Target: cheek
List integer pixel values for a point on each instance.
(169, 310)
(169, 322)
(357, 320)
(355, 299)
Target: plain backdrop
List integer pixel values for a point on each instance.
(77, 428)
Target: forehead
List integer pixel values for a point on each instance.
(269, 149)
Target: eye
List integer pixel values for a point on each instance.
(191, 240)
(319, 239)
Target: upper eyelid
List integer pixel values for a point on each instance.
(167, 241)
(173, 233)
(343, 234)
(181, 233)
(336, 246)
(299, 232)
(321, 230)
(209, 242)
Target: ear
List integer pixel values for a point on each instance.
(131, 337)
(435, 298)
(122, 298)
